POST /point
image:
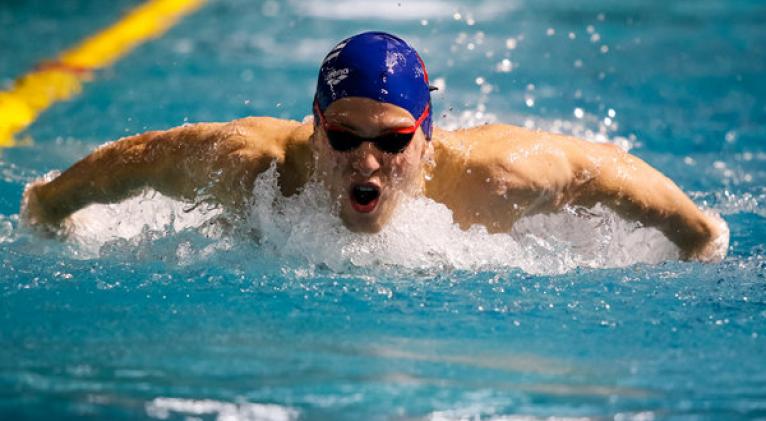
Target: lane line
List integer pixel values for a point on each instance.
(62, 78)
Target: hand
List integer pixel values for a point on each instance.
(34, 214)
(715, 249)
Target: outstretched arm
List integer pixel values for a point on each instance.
(637, 191)
(496, 174)
(182, 163)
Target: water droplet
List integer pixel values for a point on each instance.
(579, 113)
(511, 43)
(550, 32)
(504, 66)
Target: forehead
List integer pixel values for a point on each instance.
(357, 112)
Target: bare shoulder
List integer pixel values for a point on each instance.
(493, 140)
(265, 135)
(514, 154)
(253, 144)
(494, 174)
(531, 151)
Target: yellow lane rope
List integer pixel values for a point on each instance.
(62, 78)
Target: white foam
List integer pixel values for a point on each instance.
(135, 222)
(421, 236)
(162, 408)
(473, 414)
(413, 10)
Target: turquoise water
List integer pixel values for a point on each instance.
(153, 310)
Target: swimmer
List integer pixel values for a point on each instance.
(371, 143)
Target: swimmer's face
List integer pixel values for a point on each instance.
(367, 182)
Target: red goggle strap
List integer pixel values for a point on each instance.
(417, 124)
(319, 113)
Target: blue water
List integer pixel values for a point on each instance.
(139, 315)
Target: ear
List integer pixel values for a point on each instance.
(315, 126)
(427, 153)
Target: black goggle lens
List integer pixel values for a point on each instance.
(344, 141)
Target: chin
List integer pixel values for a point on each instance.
(366, 209)
(368, 224)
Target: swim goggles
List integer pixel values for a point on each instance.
(393, 141)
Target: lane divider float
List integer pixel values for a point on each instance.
(62, 78)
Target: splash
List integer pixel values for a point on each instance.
(163, 408)
(304, 229)
(422, 236)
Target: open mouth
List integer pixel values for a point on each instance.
(364, 197)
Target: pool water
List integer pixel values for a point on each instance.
(152, 309)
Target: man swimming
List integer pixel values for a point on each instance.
(371, 143)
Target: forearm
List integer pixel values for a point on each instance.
(638, 192)
(107, 175)
(172, 162)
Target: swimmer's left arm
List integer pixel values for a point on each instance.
(636, 191)
(510, 172)
(639, 192)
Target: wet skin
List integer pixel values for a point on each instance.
(490, 175)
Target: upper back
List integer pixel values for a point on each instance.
(262, 141)
(267, 137)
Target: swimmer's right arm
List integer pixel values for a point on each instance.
(181, 163)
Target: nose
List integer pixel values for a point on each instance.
(366, 160)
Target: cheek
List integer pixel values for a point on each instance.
(330, 161)
(404, 166)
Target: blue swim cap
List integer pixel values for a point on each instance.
(378, 66)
